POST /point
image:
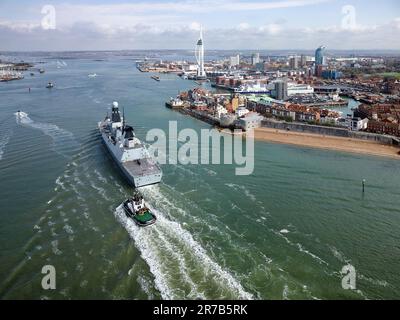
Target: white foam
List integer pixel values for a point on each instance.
(83, 284)
(59, 183)
(301, 248)
(377, 282)
(100, 190)
(285, 292)
(3, 142)
(68, 229)
(244, 189)
(54, 245)
(154, 240)
(210, 172)
(145, 285)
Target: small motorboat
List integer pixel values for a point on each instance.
(92, 75)
(157, 78)
(32, 74)
(50, 85)
(135, 208)
(41, 70)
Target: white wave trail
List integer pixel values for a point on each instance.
(153, 242)
(3, 142)
(244, 189)
(57, 134)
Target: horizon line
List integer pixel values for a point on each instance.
(187, 49)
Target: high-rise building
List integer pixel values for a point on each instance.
(294, 62)
(303, 61)
(199, 53)
(281, 90)
(331, 74)
(234, 60)
(320, 56)
(319, 69)
(255, 58)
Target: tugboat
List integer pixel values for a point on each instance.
(50, 85)
(136, 209)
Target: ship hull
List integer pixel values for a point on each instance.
(171, 106)
(134, 181)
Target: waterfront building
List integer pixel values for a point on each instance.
(199, 53)
(250, 121)
(384, 127)
(329, 120)
(227, 120)
(356, 123)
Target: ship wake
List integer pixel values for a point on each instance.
(180, 265)
(63, 140)
(3, 142)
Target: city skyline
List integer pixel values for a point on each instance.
(166, 24)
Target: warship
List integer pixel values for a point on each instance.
(128, 152)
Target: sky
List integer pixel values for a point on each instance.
(174, 24)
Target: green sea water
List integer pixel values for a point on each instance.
(284, 232)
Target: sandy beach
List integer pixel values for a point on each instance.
(326, 142)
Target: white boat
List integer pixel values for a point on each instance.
(174, 103)
(249, 89)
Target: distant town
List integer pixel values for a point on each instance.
(252, 91)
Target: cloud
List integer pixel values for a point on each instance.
(243, 26)
(272, 28)
(162, 14)
(166, 25)
(188, 6)
(91, 36)
(195, 26)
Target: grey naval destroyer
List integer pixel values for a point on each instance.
(128, 152)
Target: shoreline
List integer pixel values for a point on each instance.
(326, 142)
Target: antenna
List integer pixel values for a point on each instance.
(123, 117)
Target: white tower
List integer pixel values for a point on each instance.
(199, 53)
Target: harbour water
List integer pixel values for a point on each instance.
(284, 232)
